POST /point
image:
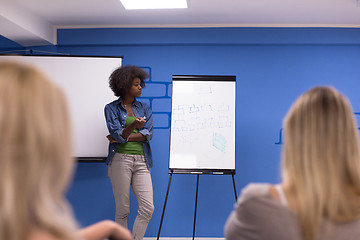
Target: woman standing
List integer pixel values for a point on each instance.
(129, 160)
(319, 198)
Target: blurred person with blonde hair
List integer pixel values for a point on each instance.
(319, 197)
(36, 161)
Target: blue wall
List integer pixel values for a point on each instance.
(7, 45)
(273, 66)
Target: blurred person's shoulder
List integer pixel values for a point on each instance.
(255, 191)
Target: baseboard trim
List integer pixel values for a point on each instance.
(183, 238)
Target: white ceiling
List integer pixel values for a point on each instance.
(34, 22)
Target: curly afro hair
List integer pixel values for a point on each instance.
(121, 79)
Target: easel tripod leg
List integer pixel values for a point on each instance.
(233, 179)
(197, 188)
(163, 212)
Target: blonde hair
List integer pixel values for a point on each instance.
(321, 159)
(35, 155)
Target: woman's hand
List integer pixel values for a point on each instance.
(105, 230)
(139, 122)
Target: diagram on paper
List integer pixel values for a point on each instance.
(203, 116)
(208, 123)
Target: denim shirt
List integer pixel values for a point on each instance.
(115, 115)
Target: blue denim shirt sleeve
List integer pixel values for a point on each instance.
(113, 123)
(147, 130)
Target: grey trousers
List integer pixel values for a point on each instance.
(131, 170)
